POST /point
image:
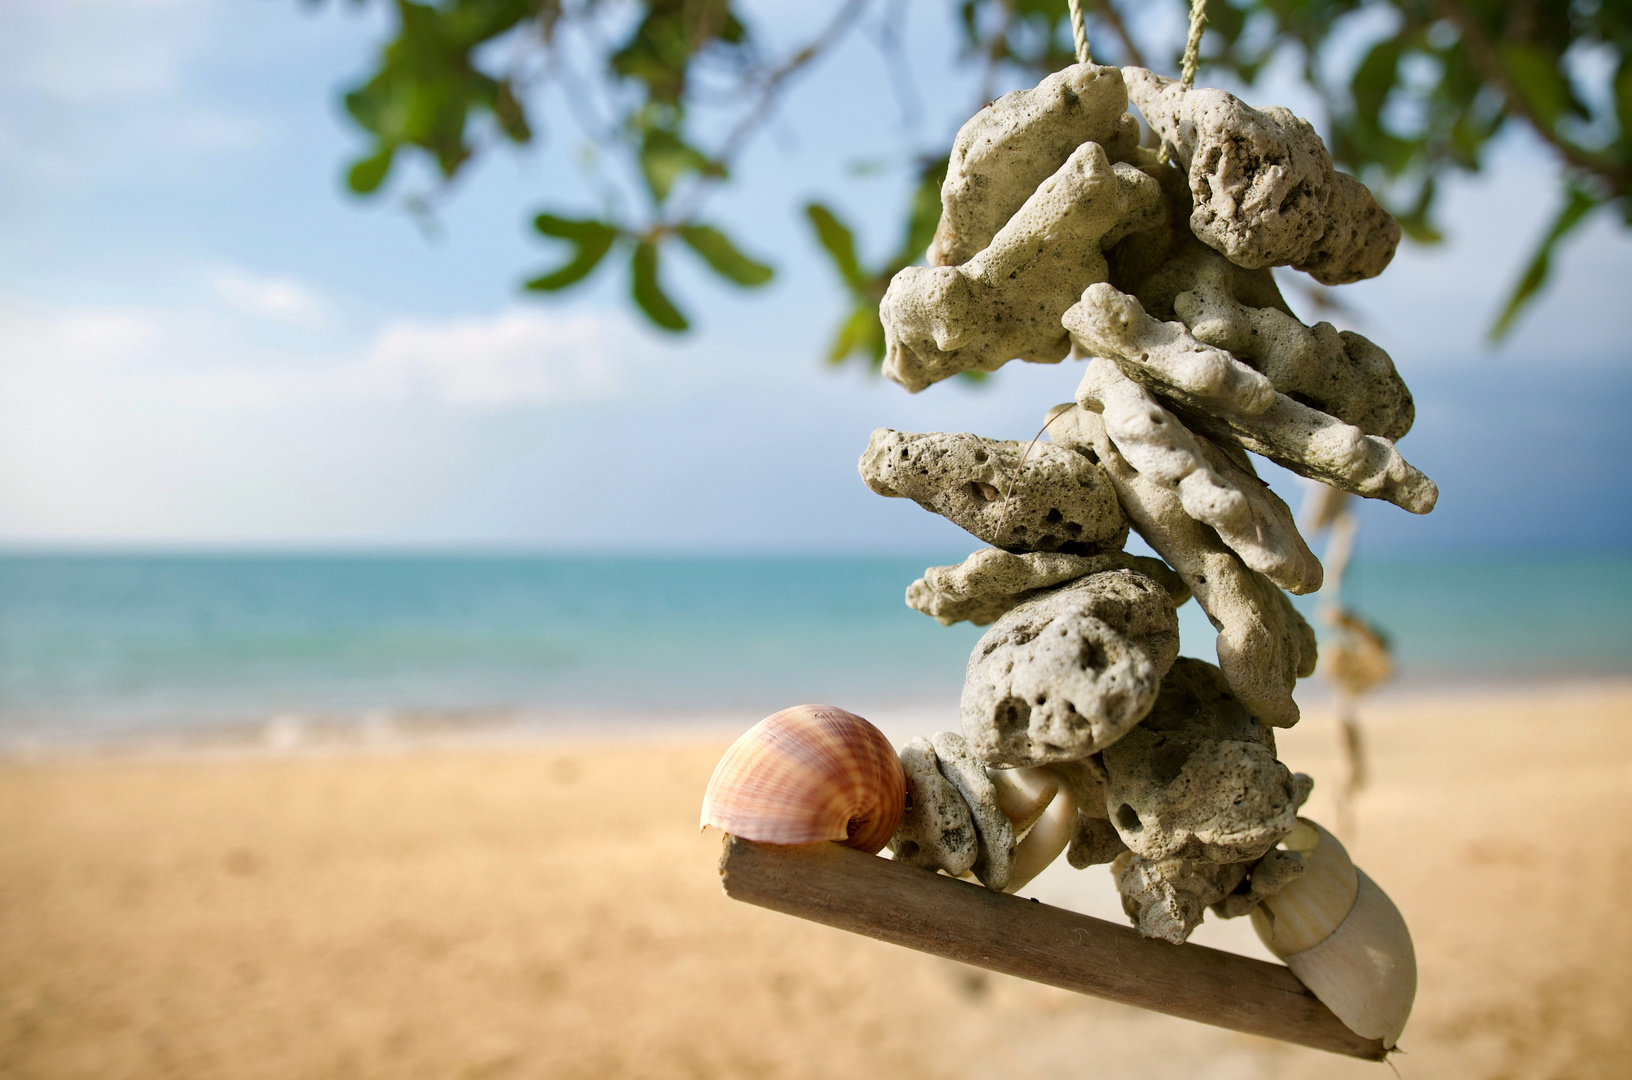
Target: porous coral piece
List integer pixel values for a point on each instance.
(1067, 673)
(1197, 778)
(1015, 143)
(992, 581)
(1168, 898)
(1096, 841)
(1242, 311)
(1061, 501)
(1264, 188)
(1005, 303)
(1266, 877)
(1112, 324)
(936, 832)
(1264, 645)
(994, 832)
(1213, 487)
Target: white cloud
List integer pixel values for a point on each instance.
(282, 299)
(186, 423)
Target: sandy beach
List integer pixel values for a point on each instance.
(551, 911)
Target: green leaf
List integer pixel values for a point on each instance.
(1623, 98)
(1536, 79)
(365, 176)
(1374, 78)
(665, 158)
(722, 255)
(648, 293)
(592, 239)
(1578, 203)
(857, 333)
(839, 242)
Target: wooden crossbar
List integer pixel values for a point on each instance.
(961, 921)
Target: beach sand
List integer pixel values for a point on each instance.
(552, 911)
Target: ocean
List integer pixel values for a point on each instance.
(109, 647)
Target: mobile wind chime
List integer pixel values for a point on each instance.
(1063, 233)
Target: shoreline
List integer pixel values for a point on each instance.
(383, 730)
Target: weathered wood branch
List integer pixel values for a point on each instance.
(961, 921)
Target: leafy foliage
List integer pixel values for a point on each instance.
(1430, 92)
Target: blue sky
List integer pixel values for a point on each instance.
(205, 342)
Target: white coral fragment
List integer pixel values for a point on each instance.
(1264, 188)
(1168, 898)
(1060, 502)
(1264, 645)
(1198, 778)
(1213, 487)
(994, 832)
(1012, 145)
(1242, 311)
(1069, 672)
(992, 581)
(936, 832)
(1112, 324)
(1005, 303)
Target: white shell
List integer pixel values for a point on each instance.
(1366, 971)
(1342, 937)
(1039, 798)
(1311, 906)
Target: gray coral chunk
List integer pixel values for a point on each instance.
(1263, 184)
(994, 832)
(1006, 302)
(1061, 501)
(992, 581)
(1242, 311)
(1198, 779)
(936, 832)
(1266, 877)
(1095, 841)
(1012, 145)
(1264, 645)
(1168, 898)
(1111, 324)
(1069, 672)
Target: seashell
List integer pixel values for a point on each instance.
(1342, 937)
(1054, 825)
(1023, 794)
(807, 774)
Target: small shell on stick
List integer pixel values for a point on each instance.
(1050, 834)
(1342, 937)
(806, 774)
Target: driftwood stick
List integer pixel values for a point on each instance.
(961, 921)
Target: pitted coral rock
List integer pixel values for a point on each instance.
(1069, 672)
(1264, 188)
(1061, 501)
(1242, 311)
(992, 581)
(1005, 303)
(994, 832)
(1213, 486)
(1198, 779)
(1007, 149)
(936, 832)
(1168, 898)
(1264, 645)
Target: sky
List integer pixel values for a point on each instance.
(204, 342)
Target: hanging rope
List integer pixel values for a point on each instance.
(1079, 31)
(1192, 44)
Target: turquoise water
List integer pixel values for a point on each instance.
(107, 645)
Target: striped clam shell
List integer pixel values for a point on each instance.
(806, 774)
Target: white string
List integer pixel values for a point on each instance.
(1079, 31)
(1192, 44)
